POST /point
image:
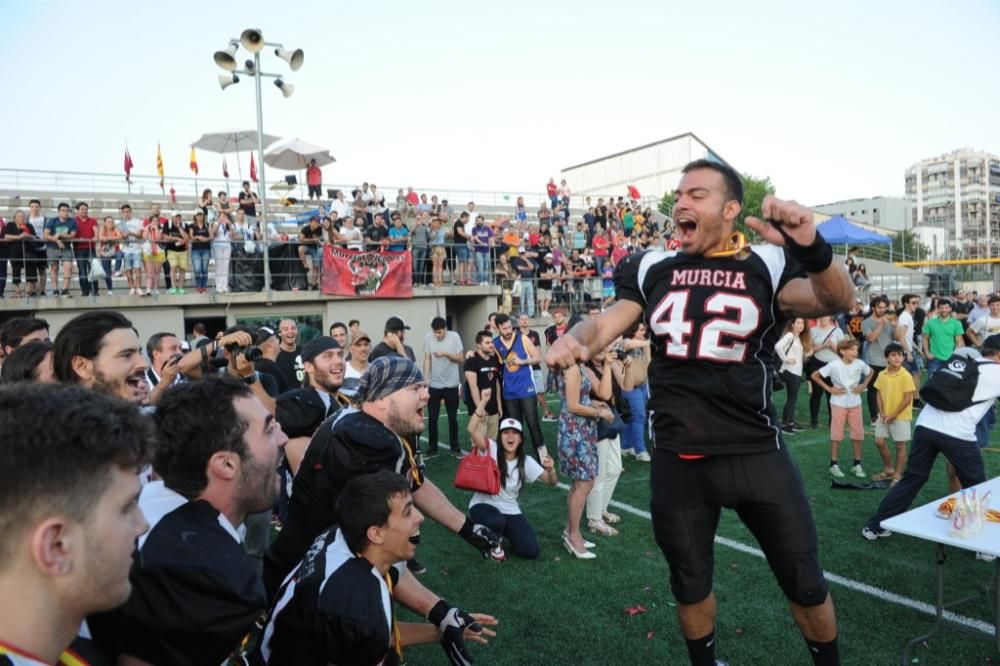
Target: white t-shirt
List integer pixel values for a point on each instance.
(352, 237)
(832, 336)
(846, 377)
(129, 229)
(986, 326)
(342, 208)
(445, 373)
(38, 224)
(962, 425)
(506, 500)
(904, 321)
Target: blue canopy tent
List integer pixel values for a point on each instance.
(838, 230)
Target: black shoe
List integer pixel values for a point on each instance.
(788, 430)
(430, 454)
(415, 567)
(459, 453)
(813, 425)
(65, 292)
(796, 427)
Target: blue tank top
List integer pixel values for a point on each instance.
(517, 379)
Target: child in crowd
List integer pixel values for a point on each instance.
(846, 386)
(895, 411)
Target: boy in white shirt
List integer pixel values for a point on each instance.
(849, 378)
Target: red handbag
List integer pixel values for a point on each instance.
(479, 472)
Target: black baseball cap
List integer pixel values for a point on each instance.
(396, 324)
(317, 346)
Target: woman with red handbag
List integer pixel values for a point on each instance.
(500, 512)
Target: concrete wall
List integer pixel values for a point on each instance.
(468, 314)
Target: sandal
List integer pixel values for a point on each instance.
(883, 476)
(611, 518)
(602, 528)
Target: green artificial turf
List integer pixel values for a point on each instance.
(558, 610)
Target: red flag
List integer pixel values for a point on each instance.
(225, 169)
(128, 167)
(253, 169)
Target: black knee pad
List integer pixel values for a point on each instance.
(801, 579)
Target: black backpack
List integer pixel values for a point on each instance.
(951, 388)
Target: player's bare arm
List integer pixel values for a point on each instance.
(591, 335)
(828, 289)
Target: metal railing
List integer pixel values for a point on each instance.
(28, 182)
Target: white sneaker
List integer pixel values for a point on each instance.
(985, 557)
(110, 293)
(545, 313)
(643, 457)
(858, 471)
(836, 471)
(627, 452)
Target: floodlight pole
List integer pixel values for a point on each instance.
(263, 183)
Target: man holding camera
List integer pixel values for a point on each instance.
(233, 354)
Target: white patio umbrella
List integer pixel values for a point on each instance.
(295, 155)
(232, 141)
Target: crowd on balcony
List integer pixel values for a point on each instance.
(538, 257)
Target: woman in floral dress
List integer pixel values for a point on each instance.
(578, 449)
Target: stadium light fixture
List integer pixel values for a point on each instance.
(252, 40)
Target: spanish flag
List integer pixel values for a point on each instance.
(159, 164)
(193, 162)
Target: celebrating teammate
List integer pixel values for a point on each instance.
(714, 311)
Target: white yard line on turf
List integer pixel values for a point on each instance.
(857, 586)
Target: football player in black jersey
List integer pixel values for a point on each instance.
(337, 606)
(714, 310)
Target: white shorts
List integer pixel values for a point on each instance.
(898, 431)
(536, 376)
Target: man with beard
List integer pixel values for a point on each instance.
(392, 342)
(100, 350)
(68, 488)
(377, 434)
(519, 402)
(713, 310)
(301, 411)
(195, 591)
(336, 608)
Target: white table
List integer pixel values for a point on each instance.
(923, 524)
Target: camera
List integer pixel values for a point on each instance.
(252, 354)
(619, 350)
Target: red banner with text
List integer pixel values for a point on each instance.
(368, 274)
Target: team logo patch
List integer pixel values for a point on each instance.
(367, 272)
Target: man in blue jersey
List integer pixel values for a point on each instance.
(518, 354)
(714, 310)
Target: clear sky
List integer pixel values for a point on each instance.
(832, 100)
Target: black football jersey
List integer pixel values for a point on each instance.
(195, 593)
(334, 609)
(713, 324)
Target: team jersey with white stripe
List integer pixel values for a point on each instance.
(713, 324)
(334, 609)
